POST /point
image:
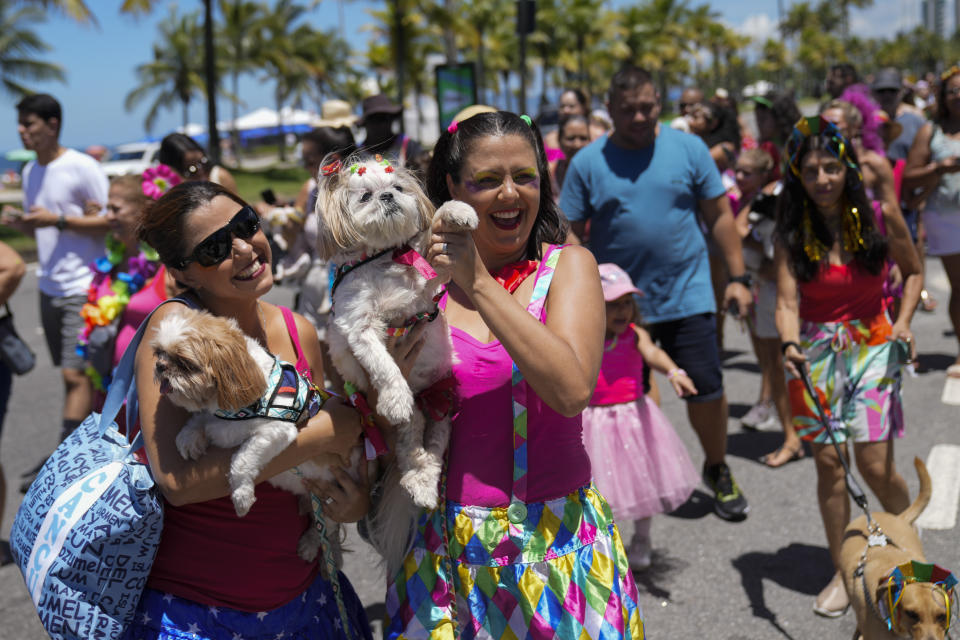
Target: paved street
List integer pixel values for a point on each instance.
(752, 580)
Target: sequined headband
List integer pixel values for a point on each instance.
(823, 128)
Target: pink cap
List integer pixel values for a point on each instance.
(615, 282)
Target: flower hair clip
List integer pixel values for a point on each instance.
(452, 129)
(332, 168)
(158, 180)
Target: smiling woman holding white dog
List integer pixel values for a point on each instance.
(218, 575)
(832, 260)
(519, 523)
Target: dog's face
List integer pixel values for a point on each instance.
(202, 362)
(921, 613)
(369, 205)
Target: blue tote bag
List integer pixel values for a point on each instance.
(88, 529)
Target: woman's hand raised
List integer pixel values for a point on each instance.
(453, 254)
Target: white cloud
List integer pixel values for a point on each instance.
(759, 27)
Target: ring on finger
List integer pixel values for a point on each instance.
(444, 246)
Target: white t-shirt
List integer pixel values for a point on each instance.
(62, 187)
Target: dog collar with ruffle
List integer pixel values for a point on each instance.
(404, 254)
(914, 571)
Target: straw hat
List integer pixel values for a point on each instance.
(336, 114)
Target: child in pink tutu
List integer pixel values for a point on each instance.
(640, 465)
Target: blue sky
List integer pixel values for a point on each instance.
(100, 61)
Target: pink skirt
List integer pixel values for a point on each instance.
(640, 465)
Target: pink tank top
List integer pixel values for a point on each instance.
(140, 305)
(621, 371)
(209, 555)
(480, 470)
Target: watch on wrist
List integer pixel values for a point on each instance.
(62, 222)
(744, 279)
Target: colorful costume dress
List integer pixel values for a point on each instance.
(853, 365)
(516, 550)
(640, 464)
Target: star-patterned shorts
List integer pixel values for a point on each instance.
(163, 616)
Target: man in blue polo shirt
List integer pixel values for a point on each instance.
(645, 189)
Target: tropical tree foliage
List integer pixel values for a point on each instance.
(20, 47)
(175, 75)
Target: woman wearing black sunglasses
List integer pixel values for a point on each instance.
(187, 157)
(215, 574)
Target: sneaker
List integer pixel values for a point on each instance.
(761, 416)
(729, 501)
(833, 601)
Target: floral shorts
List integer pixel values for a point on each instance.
(855, 371)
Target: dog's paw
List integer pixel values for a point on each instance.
(243, 498)
(421, 484)
(395, 404)
(458, 214)
(309, 544)
(191, 443)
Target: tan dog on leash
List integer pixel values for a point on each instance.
(922, 610)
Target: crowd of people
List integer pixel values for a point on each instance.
(610, 245)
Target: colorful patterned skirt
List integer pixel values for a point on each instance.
(562, 572)
(855, 370)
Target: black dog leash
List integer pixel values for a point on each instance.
(853, 487)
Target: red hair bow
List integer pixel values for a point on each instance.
(331, 168)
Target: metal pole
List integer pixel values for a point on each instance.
(210, 71)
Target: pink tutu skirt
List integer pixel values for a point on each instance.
(640, 465)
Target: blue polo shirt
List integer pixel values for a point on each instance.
(643, 207)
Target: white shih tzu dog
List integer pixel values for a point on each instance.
(375, 223)
(241, 396)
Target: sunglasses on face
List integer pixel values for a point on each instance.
(215, 248)
(192, 170)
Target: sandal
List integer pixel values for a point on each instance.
(795, 454)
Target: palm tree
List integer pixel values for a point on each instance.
(545, 42)
(237, 41)
(283, 58)
(581, 21)
(420, 40)
(659, 37)
(175, 74)
(19, 48)
(78, 10)
(480, 18)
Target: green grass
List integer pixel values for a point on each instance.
(285, 182)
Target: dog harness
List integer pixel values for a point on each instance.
(405, 255)
(913, 571)
(288, 395)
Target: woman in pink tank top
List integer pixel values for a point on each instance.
(831, 264)
(519, 514)
(217, 575)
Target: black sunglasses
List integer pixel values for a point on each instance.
(215, 248)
